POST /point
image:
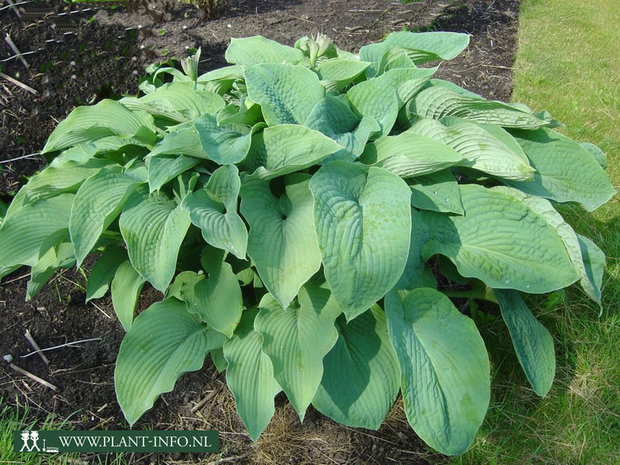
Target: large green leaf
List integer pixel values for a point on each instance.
(282, 240)
(333, 117)
(594, 265)
(214, 210)
(183, 139)
(439, 101)
(126, 287)
(164, 342)
(86, 151)
(224, 144)
(153, 228)
(337, 73)
(23, 232)
(590, 282)
(361, 374)
(501, 241)
(178, 101)
(56, 252)
(287, 148)
(297, 338)
(420, 47)
(89, 123)
(532, 342)
(406, 81)
(250, 376)
(257, 49)
(97, 203)
(371, 99)
(286, 93)
(54, 180)
(436, 192)
(445, 377)
(414, 273)
(363, 224)
(103, 271)
(164, 168)
(566, 172)
(215, 297)
(484, 147)
(409, 154)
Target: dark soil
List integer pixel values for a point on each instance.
(102, 56)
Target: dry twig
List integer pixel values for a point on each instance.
(33, 377)
(19, 84)
(19, 55)
(34, 344)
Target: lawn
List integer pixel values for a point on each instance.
(567, 63)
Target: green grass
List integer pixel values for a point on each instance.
(567, 63)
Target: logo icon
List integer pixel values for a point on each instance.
(32, 437)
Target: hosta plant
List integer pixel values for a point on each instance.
(306, 214)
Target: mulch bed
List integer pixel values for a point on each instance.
(83, 53)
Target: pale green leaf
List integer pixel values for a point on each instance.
(181, 140)
(214, 210)
(501, 241)
(371, 99)
(249, 375)
(491, 151)
(574, 246)
(126, 287)
(445, 377)
(164, 342)
(103, 271)
(153, 228)
(296, 340)
(363, 224)
(56, 252)
(282, 240)
(436, 192)
(224, 144)
(164, 168)
(287, 148)
(97, 203)
(23, 232)
(409, 154)
(177, 101)
(532, 342)
(286, 93)
(414, 273)
(406, 81)
(594, 264)
(257, 49)
(215, 297)
(437, 102)
(89, 123)
(420, 47)
(566, 172)
(361, 374)
(337, 73)
(54, 180)
(597, 153)
(333, 117)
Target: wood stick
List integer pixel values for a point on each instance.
(20, 84)
(14, 8)
(19, 55)
(202, 402)
(34, 344)
(68, 344)
(33, 377)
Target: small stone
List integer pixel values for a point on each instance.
(8, 358)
